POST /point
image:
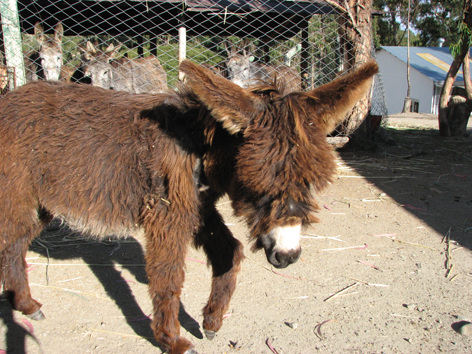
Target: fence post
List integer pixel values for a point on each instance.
(182, 48)
(12, 39)
(305, 57)
(182, 41)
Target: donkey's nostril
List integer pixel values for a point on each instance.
(280, 257)
(295, 257)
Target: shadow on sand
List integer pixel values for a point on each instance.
(428, 175)
(15, 333)
(57, 242)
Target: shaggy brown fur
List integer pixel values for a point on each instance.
(114, 163)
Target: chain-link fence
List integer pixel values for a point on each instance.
(136, 45)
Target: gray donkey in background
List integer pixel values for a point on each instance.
(46, 62)
(245, 72)
(141, 75)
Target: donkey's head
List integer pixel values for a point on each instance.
(282, 152)
(240, 65)
(49, 55)
(97, 64)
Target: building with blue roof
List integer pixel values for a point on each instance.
(428, 70)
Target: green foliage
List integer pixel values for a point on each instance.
(464, 39)
(429, 20)
(438, 19)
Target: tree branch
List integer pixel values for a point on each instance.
(466, 74)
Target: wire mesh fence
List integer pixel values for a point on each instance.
(137, 45)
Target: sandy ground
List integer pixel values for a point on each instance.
(418, 121)
(388, 270)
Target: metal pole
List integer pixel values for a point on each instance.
(12, 39)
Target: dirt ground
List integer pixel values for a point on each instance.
(388, 270)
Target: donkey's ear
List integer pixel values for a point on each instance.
(58, 32)
(331, 102)
(39, 33)
(229, 104)
(229, 48)
(90, 48)
(110, 48)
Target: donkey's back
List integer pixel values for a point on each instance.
(79, 153)
(142, 75)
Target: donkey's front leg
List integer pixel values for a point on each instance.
(15, 279)
(225, 254)
(165, 270)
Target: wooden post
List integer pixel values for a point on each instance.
(12, 39)
(153, 44)
(182, 48)
(140, 46)
(305, 57)
(264, 48)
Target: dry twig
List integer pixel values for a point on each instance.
(449, 265)
(341, 292)
(272, 349)
(363, 247)
(317, 329)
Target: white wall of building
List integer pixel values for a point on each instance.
(394, 78)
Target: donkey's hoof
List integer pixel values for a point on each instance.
(191, 351)
(37, 316)
(209, 334)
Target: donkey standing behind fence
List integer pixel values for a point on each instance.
(242, 70)
(46, 62)
(115, 163)
(141, 75)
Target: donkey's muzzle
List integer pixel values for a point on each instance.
(282, 259)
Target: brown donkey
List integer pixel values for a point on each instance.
(116, 163)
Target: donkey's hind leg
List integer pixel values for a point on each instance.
(225, 254)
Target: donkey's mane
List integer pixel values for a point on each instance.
(266, 88)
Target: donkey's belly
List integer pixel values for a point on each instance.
(100, 229)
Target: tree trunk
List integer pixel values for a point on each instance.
(446, 121)
(407, 102)
(451, 119)
(458, 112)
(466, 74)
(459, 108)
(407, 105)
(356, 31)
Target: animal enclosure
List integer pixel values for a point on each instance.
(313, 41)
